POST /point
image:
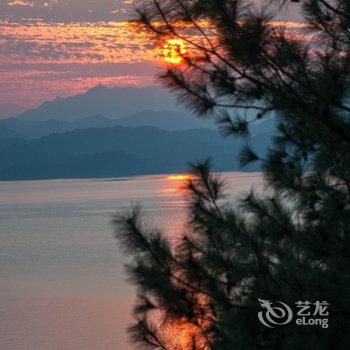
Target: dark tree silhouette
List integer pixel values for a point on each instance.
(291, 243)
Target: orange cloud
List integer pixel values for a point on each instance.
(21, 3)
(40, 60)
(40, 42)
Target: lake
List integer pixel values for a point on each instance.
(62, 283)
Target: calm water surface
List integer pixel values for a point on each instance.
(62, 285)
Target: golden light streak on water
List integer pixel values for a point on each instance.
(181, 177)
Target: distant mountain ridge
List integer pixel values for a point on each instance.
(36, 129)
(118, 151)
(9, 110)
(8, 133)
(165, 120)
(111, 132)
(117, 102)
(109, 164)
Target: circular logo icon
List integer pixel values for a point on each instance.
(275, 313)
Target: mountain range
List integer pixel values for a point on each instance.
(166, 120)
(118, 151)
(115, 103)
(63, 139)
(8, 110)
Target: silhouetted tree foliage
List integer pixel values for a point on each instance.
(291, 243)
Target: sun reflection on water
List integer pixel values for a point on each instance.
(180, 177)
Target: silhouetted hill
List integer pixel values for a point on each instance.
(145, 150)
(33, 129)
(36, 129)
(166, 120)
(9, 110)
(6, 133)
(112, 164)
(95, 121)
(111, 102)
(7, 142)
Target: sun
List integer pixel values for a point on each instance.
(173, 51)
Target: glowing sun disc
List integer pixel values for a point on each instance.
(173, 51)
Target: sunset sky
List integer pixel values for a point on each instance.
(62, 47)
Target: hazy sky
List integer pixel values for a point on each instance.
(65, 10)
(51, 48)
